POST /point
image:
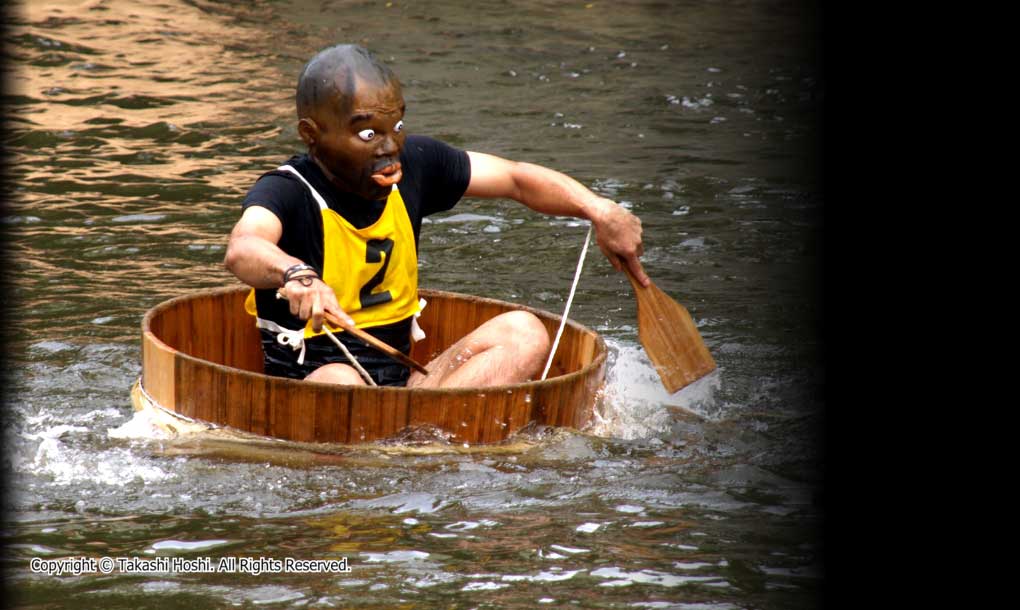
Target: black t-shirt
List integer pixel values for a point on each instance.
(435, 176)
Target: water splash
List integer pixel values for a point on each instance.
(63, 457)
(636, 405)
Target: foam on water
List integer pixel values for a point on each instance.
(623, 578)
(418, 502)
(264, 595)
(144, 424)
(139, 218)
(395, 557)
(483, 586)
(187, 545)
(550, 575)
(568, 549)
(467, 217)
(66, 466)
(63, 455)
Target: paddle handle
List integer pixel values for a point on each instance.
(376, 343)
(633, 280)
(382, 346)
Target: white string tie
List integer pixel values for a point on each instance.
(417, 334)
(294, 340)
(570, 299)
(350, 356)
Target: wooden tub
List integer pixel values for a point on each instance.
(202, 358)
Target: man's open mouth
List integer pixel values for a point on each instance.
(388, 175)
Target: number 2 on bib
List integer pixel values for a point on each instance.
(374, 251)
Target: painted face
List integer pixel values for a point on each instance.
(359, 148)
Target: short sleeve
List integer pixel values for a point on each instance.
(445, 172)
(276, 193)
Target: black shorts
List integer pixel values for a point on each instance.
(282, 361)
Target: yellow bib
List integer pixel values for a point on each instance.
(374, 270)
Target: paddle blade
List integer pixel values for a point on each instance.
(670, 338)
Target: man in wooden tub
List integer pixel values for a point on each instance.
(337, 229)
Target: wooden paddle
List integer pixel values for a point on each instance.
(383, 347)
(669, 337)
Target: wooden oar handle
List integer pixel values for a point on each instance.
(633, 280)
(376, 343)
(382, 346)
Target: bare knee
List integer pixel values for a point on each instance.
(529, 336)
(340, 374)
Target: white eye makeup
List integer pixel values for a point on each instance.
(366, 134)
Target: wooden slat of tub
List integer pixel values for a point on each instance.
(206, 334)
(302, 413)
(399, 412)
(193, 380)
(521, 412)
(593, 385)
(366, 414)
(277, 411)
(496, 423)
(217, 345)
(292, 413)
(312, 414)
(452, 414)
(547, 398)
(570, 395)
(356, 416)
(445, 332)
(261, 399)
(158, 371)
(242, 396)
(343, 412)
(219, 342)
(487, 419)
(424, 409)
(230, 331)
(244, 348)
(324, 415)
(569, 360)
(181, 329)
(475, 416)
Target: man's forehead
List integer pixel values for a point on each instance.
(352, 98)
(373, 96)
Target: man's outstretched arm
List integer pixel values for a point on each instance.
(617, 231)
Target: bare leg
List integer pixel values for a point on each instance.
(342, 374)
(510, 348)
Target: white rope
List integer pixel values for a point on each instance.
(570, 299)
(350, 356)
(294, 339)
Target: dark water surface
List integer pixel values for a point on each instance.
(134, 130)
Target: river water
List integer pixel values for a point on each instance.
(134, 130)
